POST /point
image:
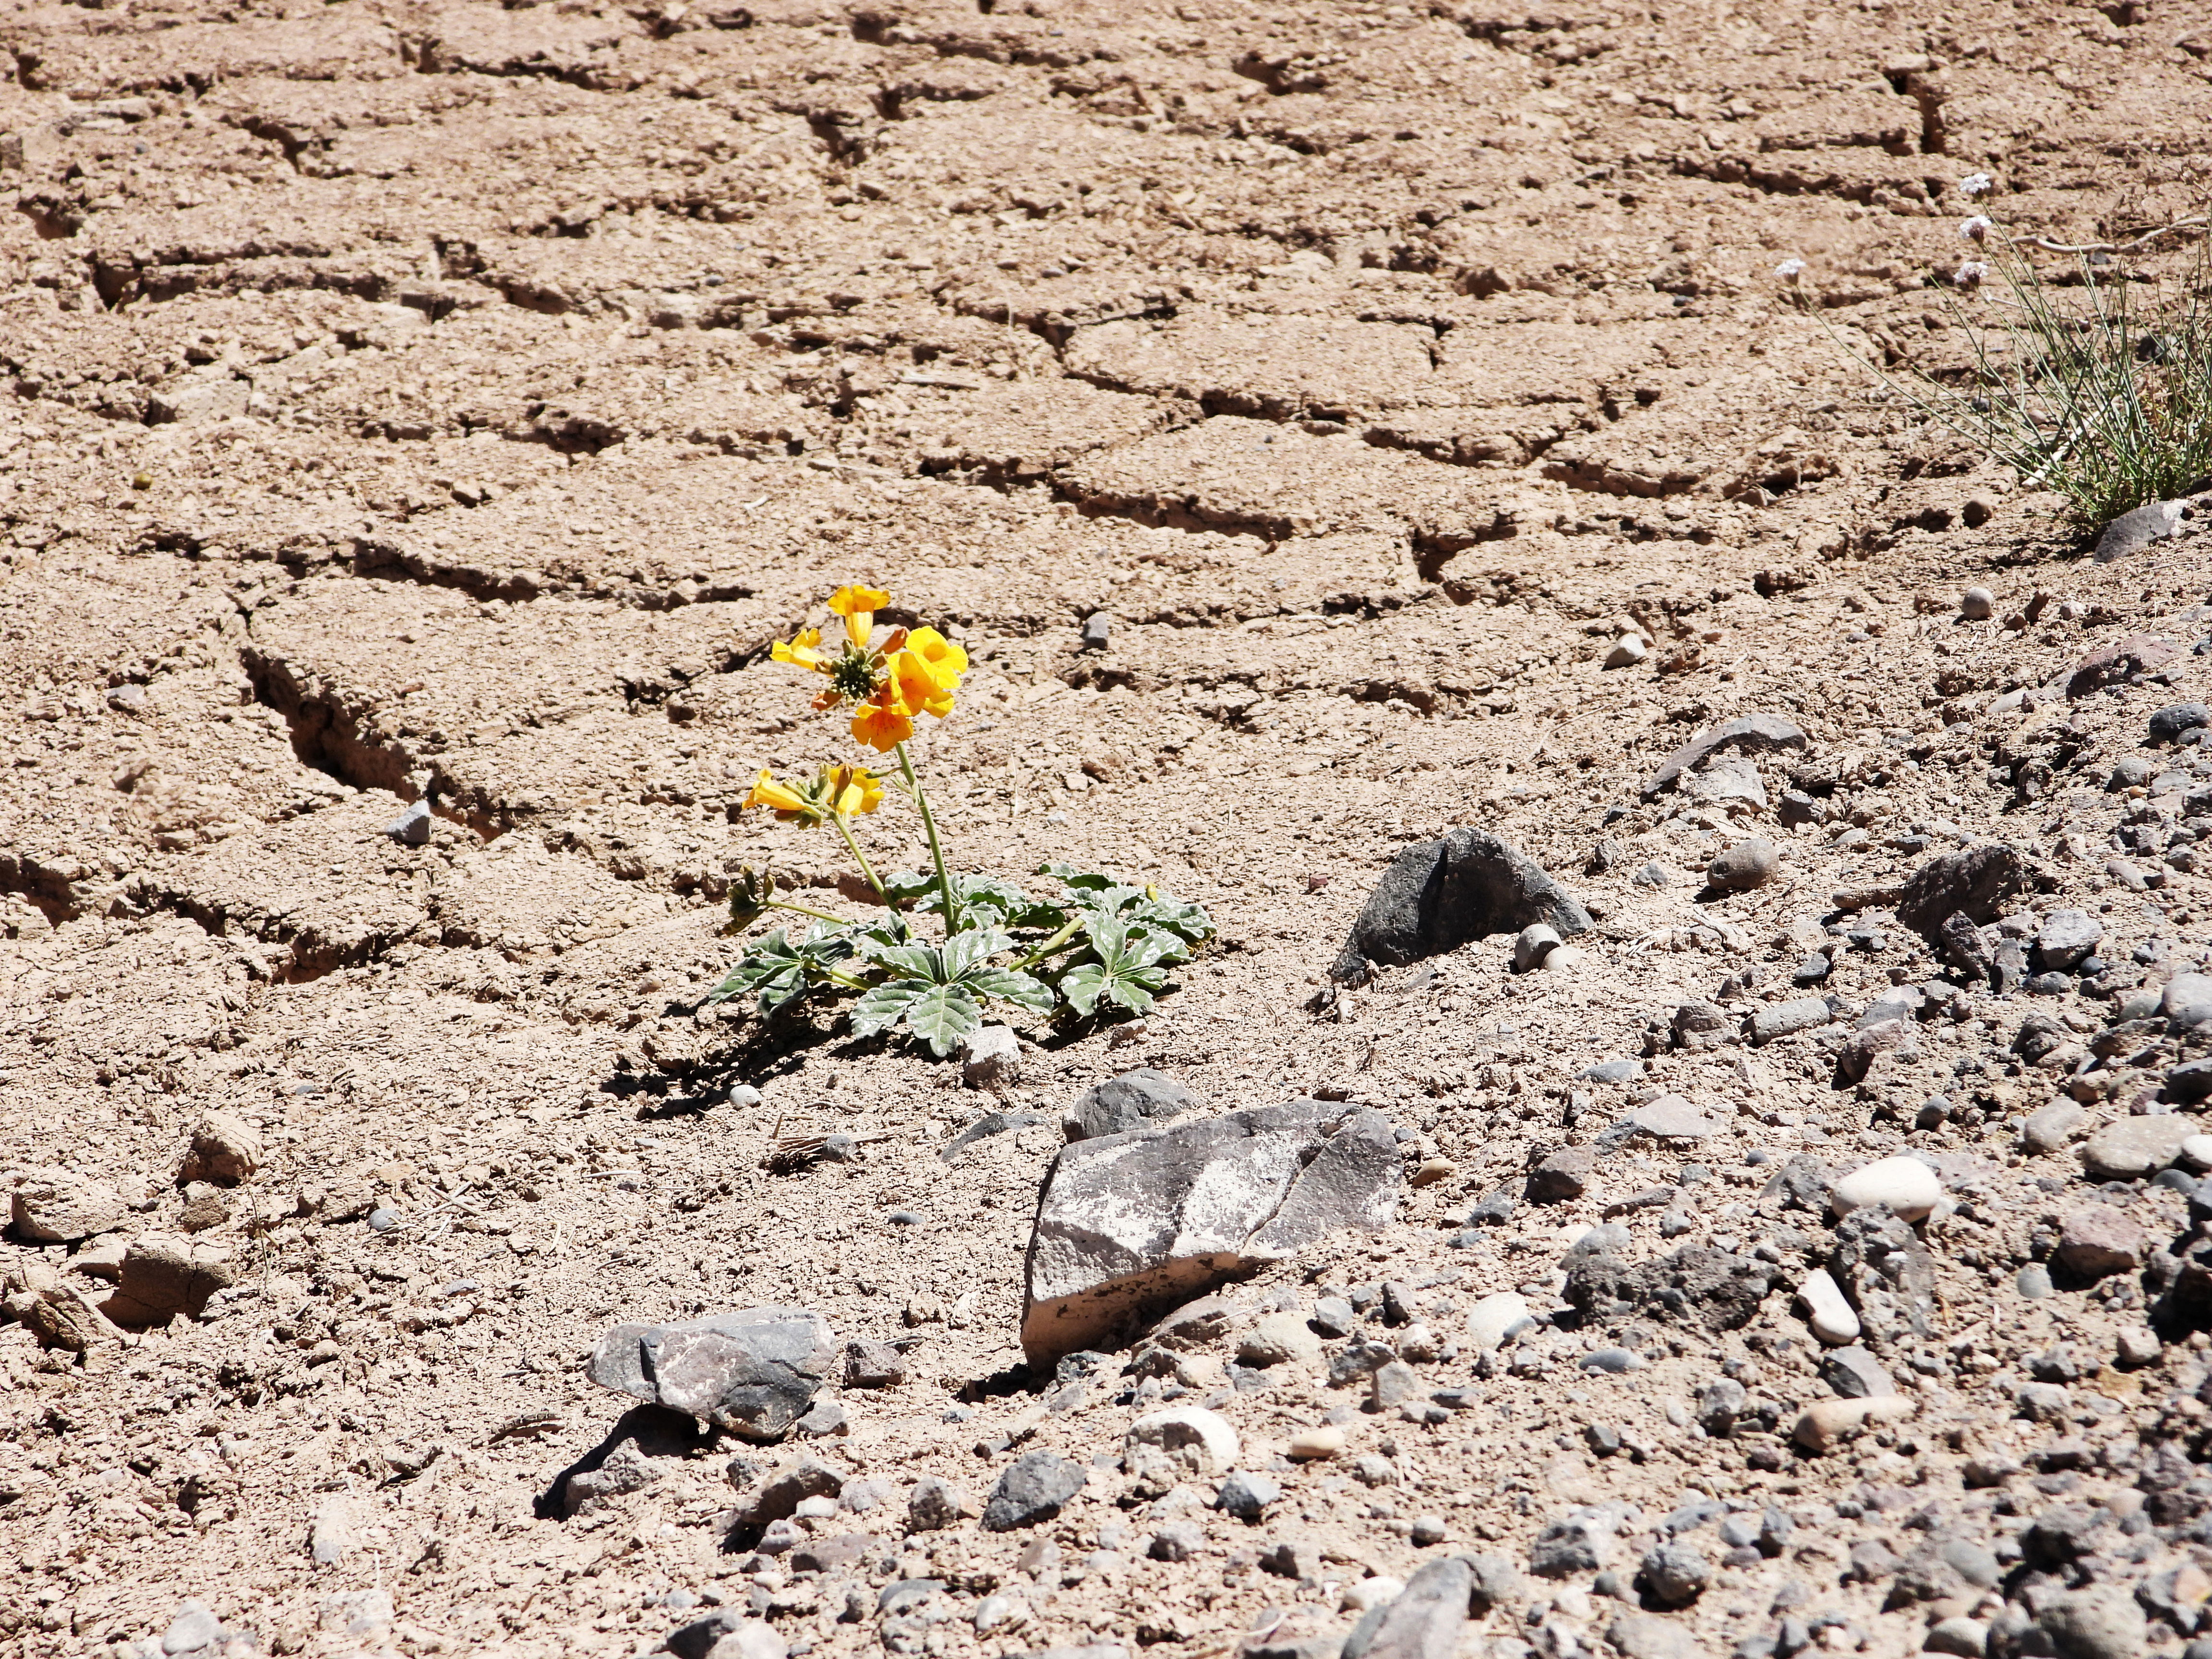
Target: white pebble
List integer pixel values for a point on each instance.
(1909, 1186)
(1494, 1318)
(1200, 1438)
(1826, 1311)
(2196, 1152)
(1978, 605)
(1627, 651)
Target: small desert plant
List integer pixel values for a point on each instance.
(1096, 944)
(2101, 391)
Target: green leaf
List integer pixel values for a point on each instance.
(1074, 879)
(910, 961)
(1081, 985)
(1023, 990)
(941, 1015)
(884, 1006)
(966, 949)
(1135, 987)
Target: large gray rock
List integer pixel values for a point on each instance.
(1423, 1621)
(1130, 1226)
(1439, 894)
(1886, 1270)
(753, 1372)
(1034, 1488)
(2066, 937)
(1751, 734)
(2133, 532)
(1134, 1100)
(1972, 880)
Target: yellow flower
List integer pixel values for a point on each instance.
(780, 798)
(918, 686)
(853, 791)
(803, 652)
(858, 606)
(882, 722)
(945, 659)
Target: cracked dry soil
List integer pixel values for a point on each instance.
(447, 398)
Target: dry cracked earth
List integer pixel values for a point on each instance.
(440, 401)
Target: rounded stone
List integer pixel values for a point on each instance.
(1322, 1440)
(2034, 1281)
(1906, 1185)
(1535, 943)
(1826, 1311)
(2102, 1622)
(2133, 1148)
(2196, 1152)
(1627, 651)
(1494, 1318)
(1201, 1438)
(1746, 865)
(1978, 605)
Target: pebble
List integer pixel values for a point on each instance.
(383, 1218)
(412, 827)
(2101, 1622)
(1321, 1440)
(2132, 1148)
(2196, 1152)
(2187, 1000)
(1813, 970)
(1855, 1373)
(1746, 865)
(1533, 943)
(1969, 1638)
(2034, 1281)
(1906, 1185)
(1278, 1339)
(990, 1059)
(1826, 1311)
(2170, 722)
(1496, 1317)
(2097, 1239)
(1246, 1496)
(1978, 605)
(1367, 1593)
(1781, 1020)
(1627, 651)
(1613, 1360)
(1333, 1316)
(1671, 1117)
(1677, 1574)
(1563, 1177)
(2049, 1127)
(1034, 1487)
(1826, 1423)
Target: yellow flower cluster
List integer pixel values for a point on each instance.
(888, 684)
(834, 792)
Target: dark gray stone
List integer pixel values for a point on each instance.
(1578, 1542)
(1885, 1270)
(412, 827)
(1424, 1620)
(1134, 1100)
(1855, 1373)
(2176, 718)
(1130, 1226)
(1615, 1071)
(1961, 943)
(935, 1504)
(1246, 1496)
(1698, 1284)
(2190, 1081)
(873, 1365)
(1753, 734)
(1973, 880)
(778, 1494)
(1439, 894)
(1034, 1487)
(1677, 1574)
(753, 1372)
(2133, 532)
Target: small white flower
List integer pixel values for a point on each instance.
(1977, 229)
(1976, 184)
(1790, 269)
(1971, 274)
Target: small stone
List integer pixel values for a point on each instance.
(1134, 1100)
(1098, 630)
(2189, 1083)
(2168, 723)
(1322, 1440)
(2066, 938)
(1677, 1574)
(1201, 1440)
(1781, 1020)
(2133, 1148)
(1246, 1496)
(1671, 1117)
(56, 1207)
(383, 1218)
(935, 1504)
(1563, 1177)
(193, 1628)
(1614, 1361)
(1428, 1530)
(1978, 605)
(2137, 1346)
(1967, 1637)
(2043, 1402)
(1646, 1636)
(1826, 1311)
(1627, 651)
(1813, 970)
(1746, 865)
(226, 1150)
(1177, 1542)
(332, 1537)
(412, 827)
(163, 1277)
(2032, 1281)
(1727, 781)
(1578, 1542)
(752, 1373)
(1034, 1488)
(1332, 1317)
(1855, 1373)
(1282, 1338)
(1495, 1318)
(990, 1059)
(2102, 1622)
(2050, 1125)
(1905, 1185)
(2098, 1239)
(2187, 1000)
(1393, 1384)
(2196, 1152)
(1533, 943)
(873, 1365)
(1654, 874)
(1826, 1423)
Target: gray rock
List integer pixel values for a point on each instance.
(1246, 1496)
(1532, 945)
(1752, 735)
(1098, 630)
(1973, 880)
(2050, 1125)
(935, 1504)
(873, 1365)
(1178, 1541)
(2133, 532)
(1134, 1100)
(412, 827)
(753, 1372)
(990, 1059)
(1646, 1636)
(2066, 937)
(2101, 1622)
(1393, 1384)
(194, 1628)
(1746, 865)
(1677, 1574)
(1698, 1284)
(1034, 1488)
(1886, 1272)
(2170, 722)
(1423, 1621)
(991, 1123)
(333, 1536)
(2130, 772)
(2187, 1001)
(1855, 1373)
(1967, 1637)
(2130, 1148)
(1615, 1071)
(2191, 1081)
(1333, 1316)
(1563, 1177)
(1899, 1002)
(1130, 1224)
(777, 1495)
(2032, 1281)
(2043, 1402)
(1781, 1019)
(1719, 1404)
(54, 1207)
(1578, 1542)
(1439, 894)
(1961, 943)
(1727, 780)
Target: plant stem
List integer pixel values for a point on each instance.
(801, 909)
(1047, 948)
(936, 851)
(859, 858)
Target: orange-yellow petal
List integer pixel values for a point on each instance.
(777, 797)
(802, 651)
(858, 606)
(882, 722)
(947, 660)
(920, 687)
(853, 791)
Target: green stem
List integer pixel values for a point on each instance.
(936, 851)
(845, 980)
(1046, 949)
(859, 858)
(801, 909)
